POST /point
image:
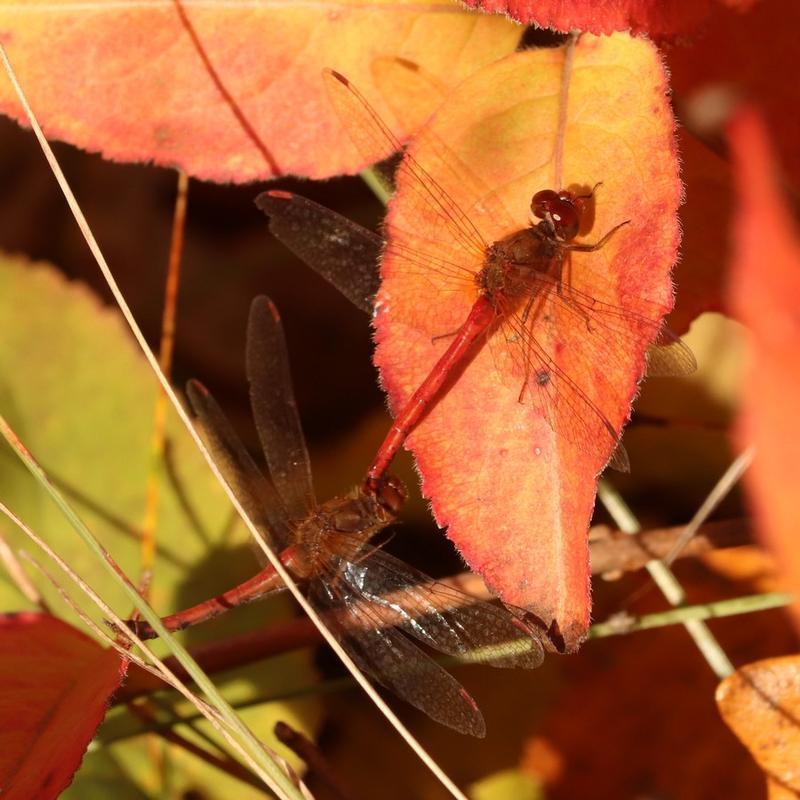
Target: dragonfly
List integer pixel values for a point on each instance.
(377, 606)
(525, 296)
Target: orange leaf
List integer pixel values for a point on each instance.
(56, 686)
(765, 295)
(516, 495)
(761, 705)
(749, 46)
(654, 17)
(226, 91)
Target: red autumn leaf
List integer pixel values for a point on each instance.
(654, 17)
(761, 705)
(514, 487)
(750, 47)
(227, 91)
(705, 217)
(765, 295)
(56, 685)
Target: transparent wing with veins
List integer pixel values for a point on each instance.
(275, 409)
(571, 334)
(372, 136)
(393, 660)
(256, 494)
(342, 252)
(441, 616)
(373, 604)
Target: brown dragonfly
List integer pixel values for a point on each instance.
(562, 335)
(375, 605)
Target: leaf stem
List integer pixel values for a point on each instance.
(563, 107)
(165, 351)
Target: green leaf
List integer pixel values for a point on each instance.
(81, 398)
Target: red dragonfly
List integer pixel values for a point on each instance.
(374, 604)
(526, 298)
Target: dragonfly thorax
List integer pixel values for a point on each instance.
(341, 527)
(512, 262)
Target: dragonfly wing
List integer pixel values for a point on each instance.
(668, 356)
(275, 409)
(441, 616)
(342, 252)
(575, 412)
(630, 319)
(569, 350)
(395, 662)
(256, 494)
(430, 197)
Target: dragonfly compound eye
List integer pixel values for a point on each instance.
(566, 218)
(561, 210)
(392, 494)
(542, 202)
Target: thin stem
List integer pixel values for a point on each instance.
(20, 578)
(720, 491)
(703, 611)
(224, 763)
(165, 351)
(217, 721)
(377, 184)
(274, 776)
(668, 584)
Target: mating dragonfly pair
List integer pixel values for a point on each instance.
(375, 604)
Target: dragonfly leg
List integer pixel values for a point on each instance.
(591, 192)
(588, 248)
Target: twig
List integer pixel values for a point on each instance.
(720, 491)
(165, 351)
(720, 608)
(667, 583)
(613, 552)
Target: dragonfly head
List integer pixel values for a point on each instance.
(391, 494)
(562, 211)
